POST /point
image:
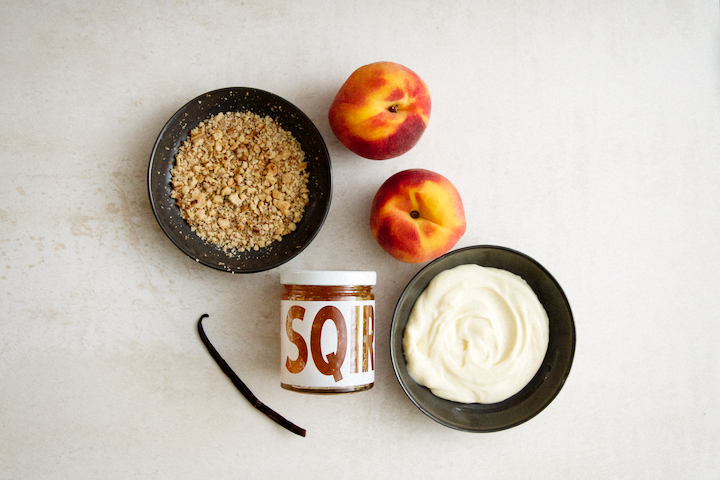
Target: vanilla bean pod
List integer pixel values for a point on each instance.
(279, 419)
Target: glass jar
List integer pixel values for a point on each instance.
(327, 340)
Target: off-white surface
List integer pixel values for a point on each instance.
(585, 134)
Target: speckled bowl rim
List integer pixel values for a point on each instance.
(289, 117)
(544, 386)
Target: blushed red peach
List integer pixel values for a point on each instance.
(417, 215)
(381, 111)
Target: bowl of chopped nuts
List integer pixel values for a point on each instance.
(240, 180)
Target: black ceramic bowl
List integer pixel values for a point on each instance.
(545, 385)
(290, 118)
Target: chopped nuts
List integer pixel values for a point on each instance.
(240, 181)
(234, 199)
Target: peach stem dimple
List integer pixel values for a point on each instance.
(415, 214)
(394, 108)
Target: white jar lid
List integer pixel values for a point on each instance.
(327, 277)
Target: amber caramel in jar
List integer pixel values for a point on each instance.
(327, 341)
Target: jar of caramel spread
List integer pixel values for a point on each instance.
(327, 340)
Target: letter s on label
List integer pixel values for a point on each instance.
(297, 365)
(334, 360)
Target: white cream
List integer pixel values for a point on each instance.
(476, 335)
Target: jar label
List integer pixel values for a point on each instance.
(327, 343)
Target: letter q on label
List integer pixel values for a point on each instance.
(334, 360)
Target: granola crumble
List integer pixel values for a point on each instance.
(240, 181)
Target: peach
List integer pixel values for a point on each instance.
(417, 215)
(381, 111)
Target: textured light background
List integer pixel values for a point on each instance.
(585, 134)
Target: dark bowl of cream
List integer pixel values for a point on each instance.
(541, 389)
